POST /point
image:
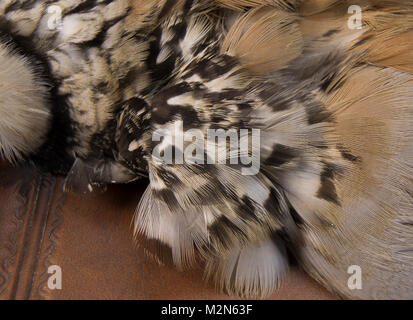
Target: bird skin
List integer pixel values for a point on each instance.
(332, 104)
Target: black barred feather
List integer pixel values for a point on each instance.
(330, 178)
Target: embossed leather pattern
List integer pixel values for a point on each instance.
(90, 239)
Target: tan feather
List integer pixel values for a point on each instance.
(371, 227)
(370, 140)
(310, 7)
(243, 4)
(395, 52)
(386, 34)
(373, 116)
(264, 39)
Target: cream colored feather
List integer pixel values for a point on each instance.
(373, 116)
(370, 95)
(24, 105)
(372, 226)
(351, 189)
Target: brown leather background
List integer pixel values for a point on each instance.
(90, 238)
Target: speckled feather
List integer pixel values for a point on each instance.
(334, 110)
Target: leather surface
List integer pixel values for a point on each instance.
(90, 239)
